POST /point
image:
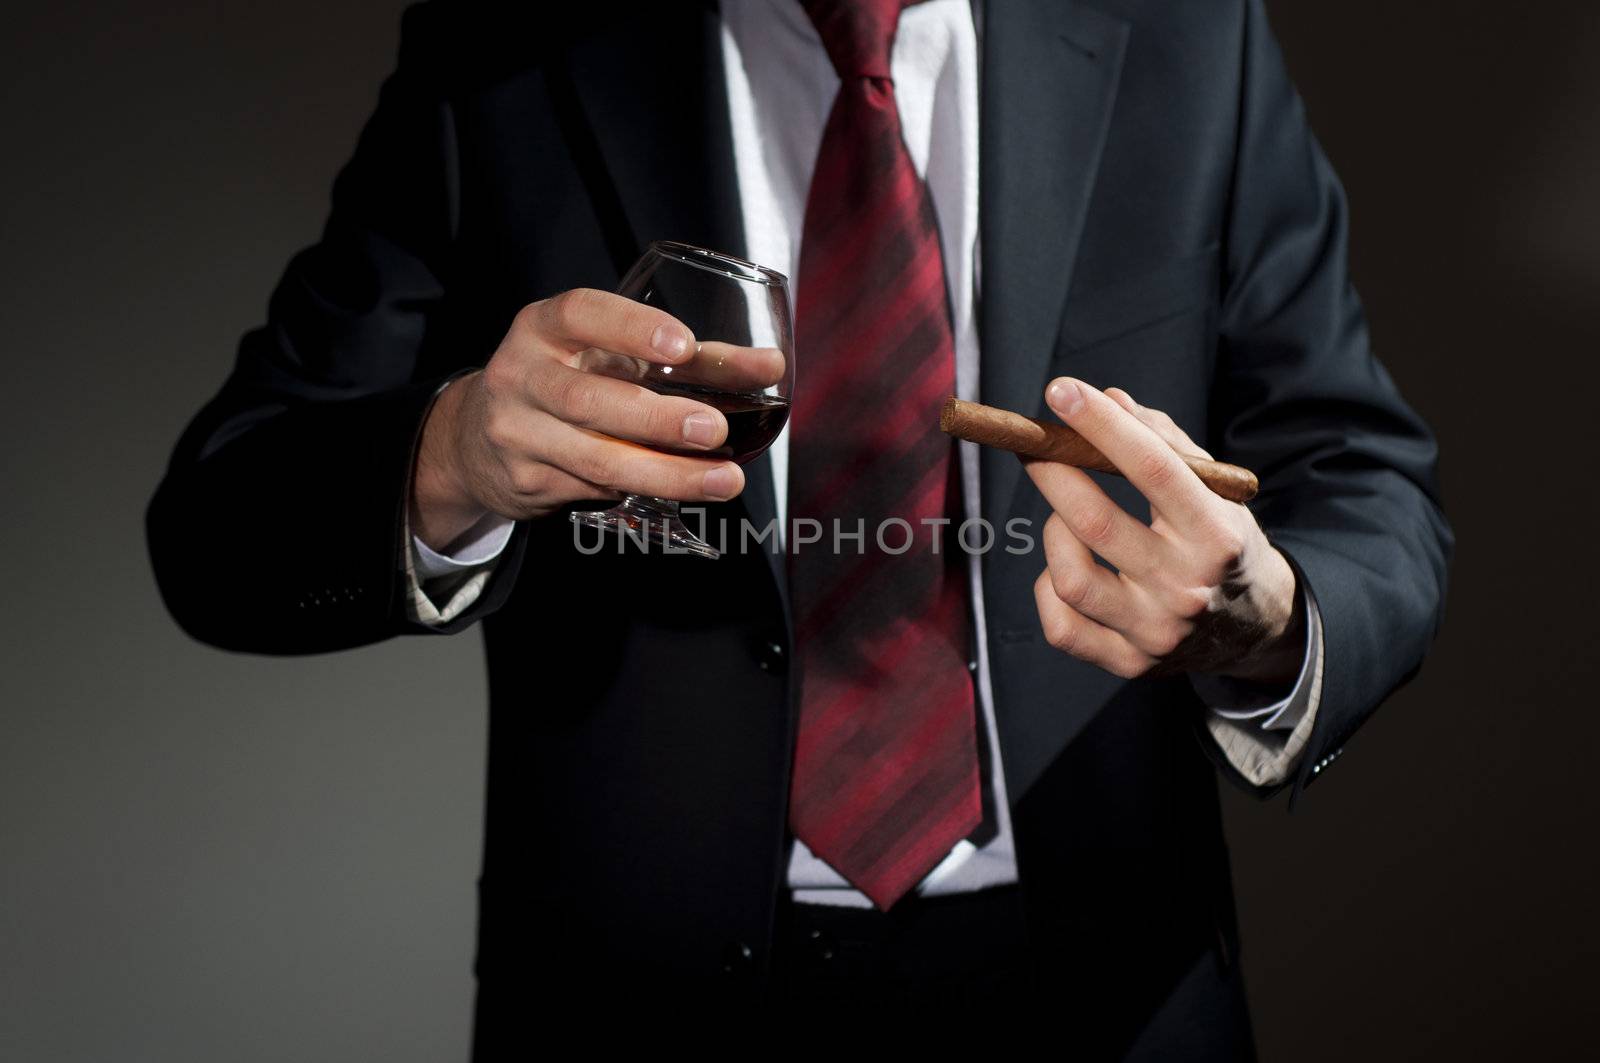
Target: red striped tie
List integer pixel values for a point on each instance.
(886, 767)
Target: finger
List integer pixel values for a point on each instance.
(1105, 597)
(1141, 455)
(715, 365)
(1079, 581)
(729, 367)
(1161, 423)
(1071, 632)
(632, 469)
(625, 411)
(538, 486)
(1097, 522)
(588, 317)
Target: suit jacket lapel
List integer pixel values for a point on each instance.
(653, 91)
(652, 88)
(1049, 80)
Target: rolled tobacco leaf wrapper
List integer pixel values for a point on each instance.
(1032, 438)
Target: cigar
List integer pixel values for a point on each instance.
(1056, 442)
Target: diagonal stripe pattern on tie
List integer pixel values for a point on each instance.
(885, 776)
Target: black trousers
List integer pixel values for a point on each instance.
(970, 960)
(967, 959)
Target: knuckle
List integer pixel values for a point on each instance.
(1074, 587)
(500, 431)
(578, 399)
(1057, 537)
(526, 479)
(1129, 666)
(1166, 639)
(656, 475)
(1062, 632)
(600, 470)
(1192, 603)
(1096, 525)
(662, 420)
(501, 376)
(528, 318)
(690, 485)
(573, 306)
(558, 310)
(1156, 468)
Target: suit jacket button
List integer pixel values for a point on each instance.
(771, 658)
(737, 958)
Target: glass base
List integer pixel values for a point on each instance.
(654, 521)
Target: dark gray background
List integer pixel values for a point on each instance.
(206, 856)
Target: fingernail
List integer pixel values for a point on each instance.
(1065, 396)
(669, 342)
(722, 482)
(700, 429)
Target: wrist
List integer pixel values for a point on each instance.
(1277, 655)
(442, 506)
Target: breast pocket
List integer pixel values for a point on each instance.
(1131, 306)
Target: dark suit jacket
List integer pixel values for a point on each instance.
(1155, 214)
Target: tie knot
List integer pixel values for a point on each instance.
(858, 34)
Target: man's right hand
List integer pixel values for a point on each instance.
(532, 431)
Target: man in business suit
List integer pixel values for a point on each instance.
(395, 448)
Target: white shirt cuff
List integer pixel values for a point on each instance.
(1263, 738)
(457, 578)
(487, 543)
(1239, 700)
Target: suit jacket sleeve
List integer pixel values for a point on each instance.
(1348, 470)
(278, 526)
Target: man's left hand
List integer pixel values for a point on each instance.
(1199, 589)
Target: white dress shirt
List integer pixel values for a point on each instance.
(781, 86)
